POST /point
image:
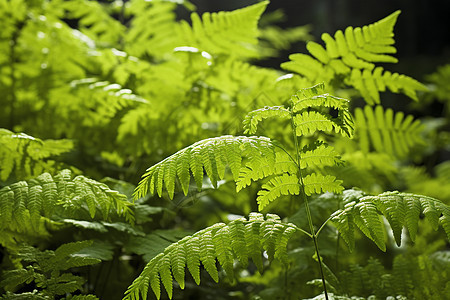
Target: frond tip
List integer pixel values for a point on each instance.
(400, 209)
(248, 239)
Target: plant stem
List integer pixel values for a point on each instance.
(308, 210)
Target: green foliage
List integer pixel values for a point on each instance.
(387, 132)
(25, 156)
(107, 88)
(46, 269)
(352, 55)
(26, 206)
(400, 210)
(248, 239)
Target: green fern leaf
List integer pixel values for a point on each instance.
(277, 186)
(309, 122)
(400, 209)
(317, 183)
(211, 155)
(352, 55)
(387, 132)
(254, 117)
(223, 32)
(25, 156)
(319, 155)
(211, 244)
(25, 205)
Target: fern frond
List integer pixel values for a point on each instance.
(248, 239)
(309, 122)
(317, 183)
(253, 172)
(211, 155)
(400, 209)
(25, 205)
(26, 156)
(319, 155)
(254, 117)
(370, 82)
(224, 32)
(387, 132)
(94, 21)
(277, 186)
(352, 55)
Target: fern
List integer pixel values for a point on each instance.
(211, 244)
(213, 155)
(387, 132)
(26, 206)
(351, 55)
(400, 210)
(26, 156)
(225, 31)
(44, 268)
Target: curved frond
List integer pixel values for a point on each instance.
(211, 155)
(254, 117)
(400, 209)
(352, 55)
(26, 205)
(249, 238)
(277, 186)
(387, 132)
(224, 32)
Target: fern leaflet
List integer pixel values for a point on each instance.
(254, 117)
(211, 244)
(400, 209)
(387, 132)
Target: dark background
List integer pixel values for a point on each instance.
(422, 32)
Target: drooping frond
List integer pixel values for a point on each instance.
(212, 155)
(223, 32)
(26, 156)
(277, 186)
(400, 209)
(254, 117)
(352, 55)
(248, 239)
(387, 132)
(25, 205)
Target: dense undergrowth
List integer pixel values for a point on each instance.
(300, 182)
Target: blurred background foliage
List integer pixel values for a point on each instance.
(109, 88)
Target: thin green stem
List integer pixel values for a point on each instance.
(308, 210)
(323, 225)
